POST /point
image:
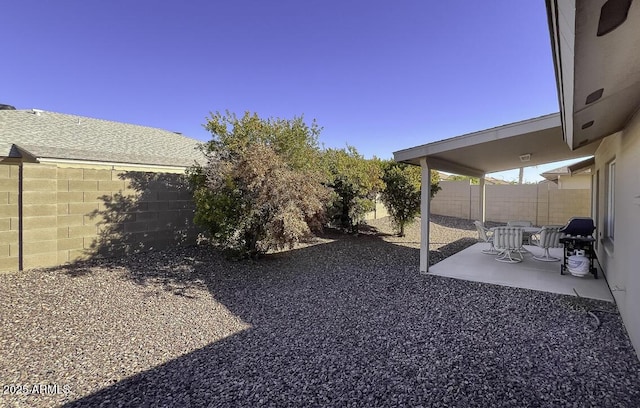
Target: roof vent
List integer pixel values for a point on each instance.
(37, 112)
(612, 14)
(594, 96)
(587, 125)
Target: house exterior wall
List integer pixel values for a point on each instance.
(75, 212)
(542, 204)
(620, 257)
(609, 149)
(577, 181)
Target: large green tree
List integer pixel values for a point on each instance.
(401, 194)
(355, 182)
(260, 188)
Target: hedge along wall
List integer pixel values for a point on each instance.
(542, 204)
(53, 214)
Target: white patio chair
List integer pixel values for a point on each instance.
(485, 235)
(549, 237)
(526, 237)
(508, 241)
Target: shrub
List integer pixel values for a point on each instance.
(355, 182)
(401, 194)
(256, 192)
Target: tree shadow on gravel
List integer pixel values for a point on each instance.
(446, 221)
(352, 322)
(453, 222)
(367, 229)
(460, 223)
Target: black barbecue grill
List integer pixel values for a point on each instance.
(579, 236)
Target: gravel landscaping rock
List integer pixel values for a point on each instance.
(341, 321)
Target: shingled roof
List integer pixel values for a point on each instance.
(40, 134)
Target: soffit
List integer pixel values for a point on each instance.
(610, 62)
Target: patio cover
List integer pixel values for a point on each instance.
(498, 149)
(521, 144)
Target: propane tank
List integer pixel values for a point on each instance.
(578, 264)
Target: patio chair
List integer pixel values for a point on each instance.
(549, 237)
(485, 235)
(526, 236)
(508, 241)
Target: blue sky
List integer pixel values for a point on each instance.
(378, 75)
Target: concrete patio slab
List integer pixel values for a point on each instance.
(471, 264)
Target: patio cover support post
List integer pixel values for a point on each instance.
(425, 198)
(482, 199)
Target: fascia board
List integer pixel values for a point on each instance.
(563, 15)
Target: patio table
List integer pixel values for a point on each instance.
(528, 232)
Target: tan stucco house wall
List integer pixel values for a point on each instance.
(620, 255)
(574, 182)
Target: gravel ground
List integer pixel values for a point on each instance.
(344, 321)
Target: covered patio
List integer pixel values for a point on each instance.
(471, 264)
(522, 144)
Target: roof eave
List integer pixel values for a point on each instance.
(562, 37)
(472, 140)
(582, 166)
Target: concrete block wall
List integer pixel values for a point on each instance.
(380, 211)
(511, 202)
(458, 202)
(71, 213)
(39, 215)
(542, 204)
(112, 212)
(9, 222)
(475, 202)
(564, 204)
